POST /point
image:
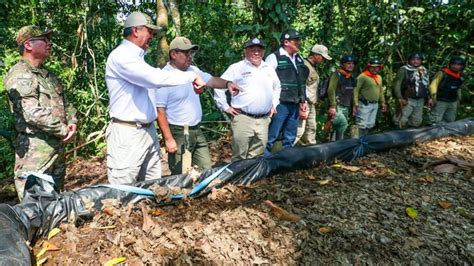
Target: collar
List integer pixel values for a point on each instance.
(344, 73)
(134, 48)
(453, 74)
(39, 70)
(247, 62)
(284, 52)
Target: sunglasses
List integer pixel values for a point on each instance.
(44, 39)
(191, 52)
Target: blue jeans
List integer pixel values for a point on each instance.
(285, 121)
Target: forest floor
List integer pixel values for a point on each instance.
(407, 205)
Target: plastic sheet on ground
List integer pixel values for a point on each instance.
(43, 208)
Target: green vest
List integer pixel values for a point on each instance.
(293, 80)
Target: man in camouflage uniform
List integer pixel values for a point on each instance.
(43, 119)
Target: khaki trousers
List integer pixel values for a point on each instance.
(250, 136)
(306, 133)
(133, 154)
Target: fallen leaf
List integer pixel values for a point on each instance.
(50, 247)
(41, 261)
(324, 182)
(41, 252)
(311, 177)
(115, 261)
(53, 232)
(106, 227)
(445, 204)
(156, 212)
(426, 179)
(350, 168)
(446, 168)
(336, 165)
(282, 214)
(390, 172)
(325, 229)
(148, 223)
(411, 212)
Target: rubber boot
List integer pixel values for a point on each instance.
(339, 134)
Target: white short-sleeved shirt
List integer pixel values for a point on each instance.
(181, 103)
(129, 80)
(259, 88)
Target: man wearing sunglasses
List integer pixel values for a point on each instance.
(43, 119)
(179, 107)
(132, 141)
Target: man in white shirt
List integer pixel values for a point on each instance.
(292, 72)
(179, 106)
(132, 141)
(256, 103)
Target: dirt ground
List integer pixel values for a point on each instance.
(410, 206)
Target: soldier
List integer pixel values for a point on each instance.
(368, 94)
(340, 91)
(306, 133)
(410, 87)
(445, 90)
(43, 119)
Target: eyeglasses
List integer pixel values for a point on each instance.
(44, 39)
(190, 52)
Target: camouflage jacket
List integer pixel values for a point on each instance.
(38, 102)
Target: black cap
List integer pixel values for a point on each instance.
(375, 62)
(290, 34)
(457, 60)
(348, 58)
(254, 42)
(415, 55)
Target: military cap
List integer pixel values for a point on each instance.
(31, 31)
(348, 58)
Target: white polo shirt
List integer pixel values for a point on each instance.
(128, 78)
(259, 88)
(181, 103)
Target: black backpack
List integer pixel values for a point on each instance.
(324, 85)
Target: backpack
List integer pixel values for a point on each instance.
(324, 85)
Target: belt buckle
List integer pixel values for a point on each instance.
(139, 125)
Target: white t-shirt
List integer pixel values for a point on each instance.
(181, 103)
(259, 88)
(272, 60)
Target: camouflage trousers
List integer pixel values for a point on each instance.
(341, 121)
(38, 153)
(443, 112)
(411, 114)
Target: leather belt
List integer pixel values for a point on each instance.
(254, 116)
(131, 124)
(198, 126)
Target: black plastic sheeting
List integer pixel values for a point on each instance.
(43, 208)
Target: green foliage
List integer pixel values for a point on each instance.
(86, 31)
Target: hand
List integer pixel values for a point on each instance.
(430, 102)
(71, 130)
(233, 111)
(355, 110)
(332, 112)
(199, 85)
(402, 102)
(272, 112)
(384, 108)
(303, 107)
(303, 114)
(171, 145)
(233, 88)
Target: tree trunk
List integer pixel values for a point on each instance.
(162, 21)
(174, 10)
